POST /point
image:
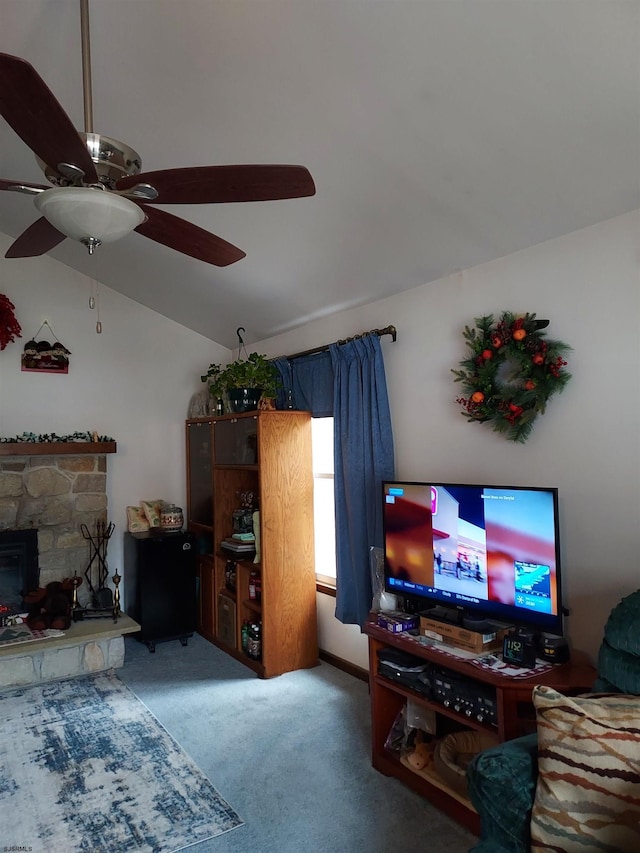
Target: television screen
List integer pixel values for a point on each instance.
(489, 552)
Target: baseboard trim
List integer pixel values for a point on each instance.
(345, 665)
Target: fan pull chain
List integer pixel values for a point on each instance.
(92, 298)
(98, 323)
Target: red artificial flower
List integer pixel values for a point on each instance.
(10, 329)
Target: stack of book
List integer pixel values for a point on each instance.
(240, 543)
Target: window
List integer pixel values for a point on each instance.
(323, 501)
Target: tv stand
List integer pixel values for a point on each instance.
(514, 711)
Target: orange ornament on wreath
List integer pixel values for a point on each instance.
(511, 372)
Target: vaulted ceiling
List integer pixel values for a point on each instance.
(440, 134)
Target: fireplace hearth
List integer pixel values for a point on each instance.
(19, 569)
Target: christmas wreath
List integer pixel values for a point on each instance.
(10, 329)
(512, 371)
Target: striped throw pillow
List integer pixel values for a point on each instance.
(588, 791)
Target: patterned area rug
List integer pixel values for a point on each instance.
(87, 767)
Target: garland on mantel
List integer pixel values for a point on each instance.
(511, 373)
(51, 437)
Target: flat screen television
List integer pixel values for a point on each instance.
(471, 553)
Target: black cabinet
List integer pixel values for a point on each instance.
(160, 585)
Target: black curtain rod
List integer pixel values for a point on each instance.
(388, 330)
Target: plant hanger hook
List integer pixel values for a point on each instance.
(241, 346)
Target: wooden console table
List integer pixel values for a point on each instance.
(515, 714)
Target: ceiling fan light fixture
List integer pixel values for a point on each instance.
(91, 216)
(98, 180)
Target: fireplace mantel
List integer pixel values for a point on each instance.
(55, 448)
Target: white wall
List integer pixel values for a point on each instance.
(132, 382)
(588, 442)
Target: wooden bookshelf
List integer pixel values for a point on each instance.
(267, 453)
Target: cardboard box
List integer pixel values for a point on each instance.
(462, 638)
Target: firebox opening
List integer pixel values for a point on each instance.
(19, 569)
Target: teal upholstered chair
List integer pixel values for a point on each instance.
(502, 780)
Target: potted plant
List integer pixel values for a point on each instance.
(244, 382)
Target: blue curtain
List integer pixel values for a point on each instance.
(364, 457)
(348, 382)
(284, 392)
(306, 384)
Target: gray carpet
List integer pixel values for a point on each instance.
(292, 754)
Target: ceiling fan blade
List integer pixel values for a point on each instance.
(19, 187)
(187, 238)
(211, 184)
(31, 108)
(38, 239)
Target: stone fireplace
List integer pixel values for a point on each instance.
(49, 494)
(60, 496)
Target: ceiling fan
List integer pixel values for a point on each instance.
(99, 192)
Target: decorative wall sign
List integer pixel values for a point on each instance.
(44, 356)
(511, 373)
